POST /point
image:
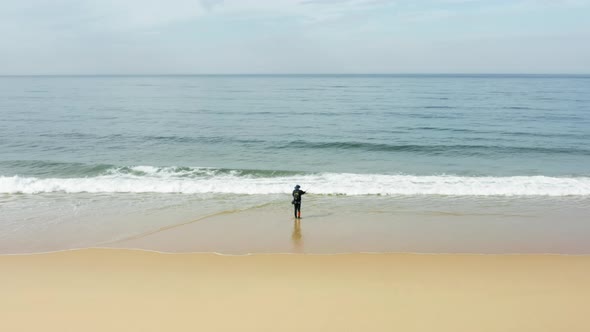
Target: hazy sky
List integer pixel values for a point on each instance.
(294, 36)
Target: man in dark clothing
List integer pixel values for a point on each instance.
(297, 201)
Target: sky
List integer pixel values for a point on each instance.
(45, 37)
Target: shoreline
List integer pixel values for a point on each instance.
(136, 290)
(152, 251)
(329, 226)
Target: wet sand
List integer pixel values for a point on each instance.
(253, 224)
(375, 227)
(125, 290)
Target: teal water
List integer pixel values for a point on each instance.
(423, 125)
(70, 146)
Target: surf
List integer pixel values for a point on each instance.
(203, 180)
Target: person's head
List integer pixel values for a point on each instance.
(297, 187)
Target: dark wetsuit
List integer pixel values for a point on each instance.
(297, 202)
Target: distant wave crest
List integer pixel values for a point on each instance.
(456, 149)
(188, 180)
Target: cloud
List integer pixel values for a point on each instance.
(147, 36)
(210, 4)
(121, 14)
(352, 2)
(103, 14)
(144, 13)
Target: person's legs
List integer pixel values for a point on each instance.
(297, 206)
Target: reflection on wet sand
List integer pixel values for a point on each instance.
(296, 236)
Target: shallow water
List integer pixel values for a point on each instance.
(88, 160)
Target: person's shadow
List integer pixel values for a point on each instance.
(296, 236)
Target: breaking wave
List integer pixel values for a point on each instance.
(187, 180)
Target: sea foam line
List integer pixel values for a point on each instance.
(323, 184)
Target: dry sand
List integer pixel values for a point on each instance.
(124, 290)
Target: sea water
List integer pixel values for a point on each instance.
(86, 160)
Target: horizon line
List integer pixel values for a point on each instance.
(300, 74)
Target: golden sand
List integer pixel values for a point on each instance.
(123, 290)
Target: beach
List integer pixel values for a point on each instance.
(295, 166)
(126, 290)
(162, 203)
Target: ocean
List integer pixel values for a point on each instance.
(91, 160)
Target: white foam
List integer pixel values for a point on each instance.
(167, 180)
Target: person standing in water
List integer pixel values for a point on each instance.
(297, 193)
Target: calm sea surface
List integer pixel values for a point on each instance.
(108, 157)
